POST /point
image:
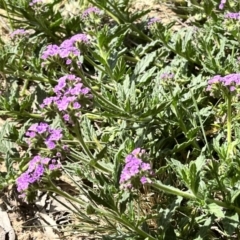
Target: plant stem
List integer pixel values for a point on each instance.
(108, 103)
(81, 141)
(24, 87)
(112, 215)
(174, 191)
(20, 114)
(93, 160)
(181, 122)
(229, 119)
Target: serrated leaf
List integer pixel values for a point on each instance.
(179, 147)
(98, 199)
(146, 75)
(144, 63)
(192, 132)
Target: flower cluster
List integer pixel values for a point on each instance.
(35, 2)
(230, 81)
(35, 171)
(135, 169)
(222, 4)
(166, 76)
(18, 33)
(42, 130)
(90, 10)
(152, 21)
(231, 15)
(67, 50)
(69, 96)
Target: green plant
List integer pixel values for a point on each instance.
(83, 92)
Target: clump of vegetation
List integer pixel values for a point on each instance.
(141, 118)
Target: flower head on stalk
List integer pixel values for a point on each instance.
(135, 170)
(152, 21)
(36, 169)
(70, 96)
(91, 10)
(232, 15)
(35, 2)
(67, 50)
(227, 83)
(18, 33)
(42, 131)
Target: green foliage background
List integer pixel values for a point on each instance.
(195, 192)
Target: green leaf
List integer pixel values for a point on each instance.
(146, 75)
(204, 229)
(144, 63)
(192, 133)
(170, 233)
(180, 147)
(102, 153)
(216, 210)
(230, 222)
(194, 178)
(120, 69)
(200, 162)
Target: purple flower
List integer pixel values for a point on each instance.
(42, 128)
(152, 21)
(51, 50)
(85, 91)
(50, 144)
(45, 161)
(32, 164)
(31, 134)
(67, 49)
(37, 174)
(48, 101)
(50, 136)
(76, 90)
(33, 127)
(61, 84)
(232, 15)
(230, 81)
(23, 182)
(166, 76)
(34, 172)
(69, 92)
(34, 2)
(91, 10)
(68, 61)
(53, 167)
(143, 180)
(76, 105)
(18, 32)
(56, 135)
(134, 168)
(65, 148)
(222, 3)
(62, 104)
(66, 117)
(81, 37)
(67, 52)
